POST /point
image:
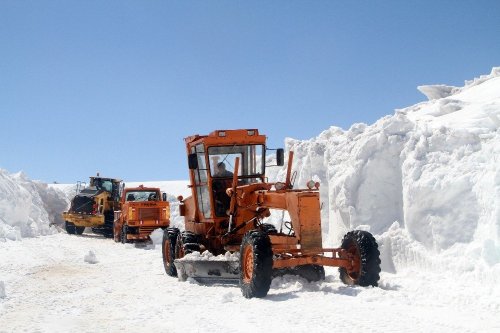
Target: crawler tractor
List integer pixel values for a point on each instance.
(94, 207)
(230, 201)
(143, 209)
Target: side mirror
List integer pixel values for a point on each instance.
(192, 161)
(280, 157)
(164, 196)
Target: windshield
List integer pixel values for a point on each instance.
(222, 160)
(141, 196)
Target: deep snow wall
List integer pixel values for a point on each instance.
(28, 208)
(425, 180)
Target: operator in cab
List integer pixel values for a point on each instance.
(221, 171)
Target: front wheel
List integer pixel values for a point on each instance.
(256, 264)
(365, 268)
(70, 227)
(168, 250)
(79, 230)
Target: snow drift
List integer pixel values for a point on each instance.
(425, 180)
(28, 208)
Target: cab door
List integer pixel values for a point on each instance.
(201, 184)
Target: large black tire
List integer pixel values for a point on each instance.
(361, 244)
(256, 264)
(70, 227)
(123, 236)
(187, 242)
(79, 230)
(168, 250)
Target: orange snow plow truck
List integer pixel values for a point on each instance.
(231, 199)
(143, 209)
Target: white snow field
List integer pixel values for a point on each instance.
(425, 181)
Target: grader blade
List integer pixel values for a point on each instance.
(208, 271)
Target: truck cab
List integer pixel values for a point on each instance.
(143, 209)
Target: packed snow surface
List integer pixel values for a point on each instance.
(51, 289)
(425, 181)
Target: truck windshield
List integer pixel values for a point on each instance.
(222, 160)
(141, 196)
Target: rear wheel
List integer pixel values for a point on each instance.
(79, 230)
(363, 248)
(70, 227)
(168, 250)
(256, 261)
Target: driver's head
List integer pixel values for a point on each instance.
(221, 166)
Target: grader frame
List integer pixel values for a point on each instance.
(263, 250)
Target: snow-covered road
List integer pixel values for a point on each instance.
(50, 288)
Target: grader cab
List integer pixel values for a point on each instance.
(230, 202)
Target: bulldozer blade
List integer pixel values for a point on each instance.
(208, 271)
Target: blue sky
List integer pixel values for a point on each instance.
(115, 86)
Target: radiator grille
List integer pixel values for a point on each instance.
(149, 214)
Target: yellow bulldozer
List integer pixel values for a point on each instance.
(93, 206)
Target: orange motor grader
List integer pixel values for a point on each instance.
(143, 209)
(230, 201)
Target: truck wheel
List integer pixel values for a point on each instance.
(168, 250)
(79, 230)
(124, 233)
(70, 227)
(187, 242)
(366, 268)
(256, 264)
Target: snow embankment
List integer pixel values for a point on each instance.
(425, 180)
(28, 208)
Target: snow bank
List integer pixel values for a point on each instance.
(28, 208)
(433, 168)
